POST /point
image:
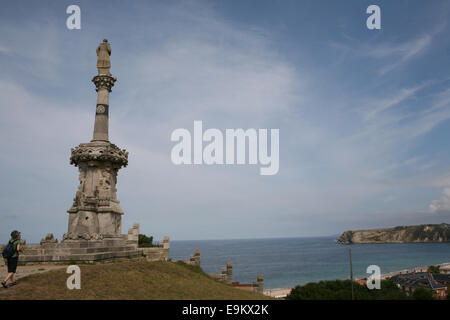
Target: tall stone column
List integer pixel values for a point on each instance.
(103, 83)
(96, 212)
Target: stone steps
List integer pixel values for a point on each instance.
(85, 244)
(62, 251)
(80, 250)
(69, 256)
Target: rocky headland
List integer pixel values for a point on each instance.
(400, 234)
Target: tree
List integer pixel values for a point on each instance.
(434, 269)
(145, 242)
(341, 290)
(422, 294)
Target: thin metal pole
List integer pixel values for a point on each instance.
(351, 273)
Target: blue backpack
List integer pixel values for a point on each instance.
(9, 250)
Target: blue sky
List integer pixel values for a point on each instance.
(363, 114)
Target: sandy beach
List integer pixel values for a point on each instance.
(277, 293)
(444, 267)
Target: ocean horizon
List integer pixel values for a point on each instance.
(287, 262)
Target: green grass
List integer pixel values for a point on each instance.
(192, 268)
(132, 279)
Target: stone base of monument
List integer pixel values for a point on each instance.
(79, 251)
(124, 246)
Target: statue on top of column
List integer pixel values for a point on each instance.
(103, 60)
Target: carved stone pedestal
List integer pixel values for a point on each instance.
(96, 212)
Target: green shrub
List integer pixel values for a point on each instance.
(434, 269)
(145, 242)
(422, 294)
(341, 290)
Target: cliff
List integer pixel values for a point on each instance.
(400, 234)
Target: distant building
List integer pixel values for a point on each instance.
(436, 283)
(256, 286)
(445, 269)
(362, 282)
(443, 278)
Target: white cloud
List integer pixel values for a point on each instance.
(384, 104)
(212, 70)
(4, 49)
(33, 125)
(443, 203)
(402, 52)
(386, 52)
(405, 50)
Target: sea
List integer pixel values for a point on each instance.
(287, 262)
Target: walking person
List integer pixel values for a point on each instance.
(11, 254)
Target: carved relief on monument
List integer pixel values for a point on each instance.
(106, 181)
(80, 196)
(104, 184)
(114, 183)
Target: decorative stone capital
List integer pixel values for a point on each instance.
(104, 81)
(92, 151)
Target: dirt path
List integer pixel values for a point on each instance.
(23, 271)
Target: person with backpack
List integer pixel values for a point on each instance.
(11, 254)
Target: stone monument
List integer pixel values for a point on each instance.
(95, 218)
(96, 212)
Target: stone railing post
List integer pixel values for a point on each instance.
(229, 272)
(133, 235)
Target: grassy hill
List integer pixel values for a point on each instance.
(130, 279)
